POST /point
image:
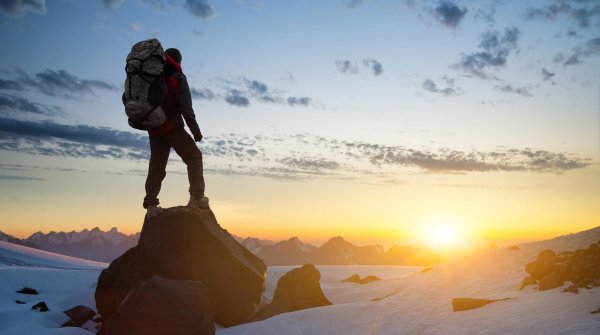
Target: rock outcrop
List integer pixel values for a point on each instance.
(187, 244)
(465, 304)
(551, 270)
(355, 278)
(78, 316)
(296, 290)
(163, 306)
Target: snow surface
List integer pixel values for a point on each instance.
(420, 303)
(405, 301)
(63, 282)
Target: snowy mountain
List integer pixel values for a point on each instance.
(92, 244)
(287, 252)
(421, 302)
(337, 251)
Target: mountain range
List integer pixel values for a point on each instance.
(105, 246)
(338, 251)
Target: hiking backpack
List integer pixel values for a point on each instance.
(146, 85)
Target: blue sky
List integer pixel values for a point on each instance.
(345, 95)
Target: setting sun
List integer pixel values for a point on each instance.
(443, 235)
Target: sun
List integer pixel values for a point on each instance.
(443, 235)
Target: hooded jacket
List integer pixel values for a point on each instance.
(178, 102)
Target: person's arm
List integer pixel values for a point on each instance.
(184, 106)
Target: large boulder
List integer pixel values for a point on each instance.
(298, 289)
(543, 265)
(163, 306)
(188, 244)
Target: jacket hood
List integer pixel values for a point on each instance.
(171, 61)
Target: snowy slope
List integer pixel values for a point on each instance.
(12, 254)
(63, 282)
(421, 303)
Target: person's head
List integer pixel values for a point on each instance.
(175, 54)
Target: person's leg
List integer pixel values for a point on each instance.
(186, 148)
(159, 155)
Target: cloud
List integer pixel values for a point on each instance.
(430, 86)
(17, 105)
(299, 101)
(346, 66)
(374, 65)
(17, 8)
(350, 4)
(202, 94)
(309, 164)
(509, 88)
(21, 178)
(583, 12)
(200, 9)
(292, 157)
(236, 98)
(136, 26)
(111, 4)
(53, 139)
(257, 87)
(495, 48)
(56, 83)
(591, 47)
(547, 74)
(449, 14)
(76, 133)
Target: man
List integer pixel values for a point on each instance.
(177, 106)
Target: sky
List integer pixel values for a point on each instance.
(382, 121)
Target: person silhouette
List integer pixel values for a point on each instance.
(177, 106)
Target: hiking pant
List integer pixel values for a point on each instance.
(186, 148)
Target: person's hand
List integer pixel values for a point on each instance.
(198, 137)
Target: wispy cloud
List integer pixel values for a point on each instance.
(346, 66)
(17, 8)
(451, 90)
(112, 4)
(200, 9)
(283, 157)
(449, 14)
(351, 67)
(20, 178)
(547, 74)
(56, 83)
(495, 47)
(236, 98)
(350, 4)
(583, 12)
(18, 105)
(374, 65)
(509, 88)
(579, 53)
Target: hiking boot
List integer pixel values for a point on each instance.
(198, 202)
(153, 210)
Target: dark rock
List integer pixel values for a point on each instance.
(41, 306)
(426, 269)
(596, 311)
(465, 304)
(550, 281)
(529, 280)
(163, 306)
(79, 315)
(296, 290)
(27, 290)
(188, 244)
(20, 302)
(543, 265)
(356, 279)
(514, 248)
